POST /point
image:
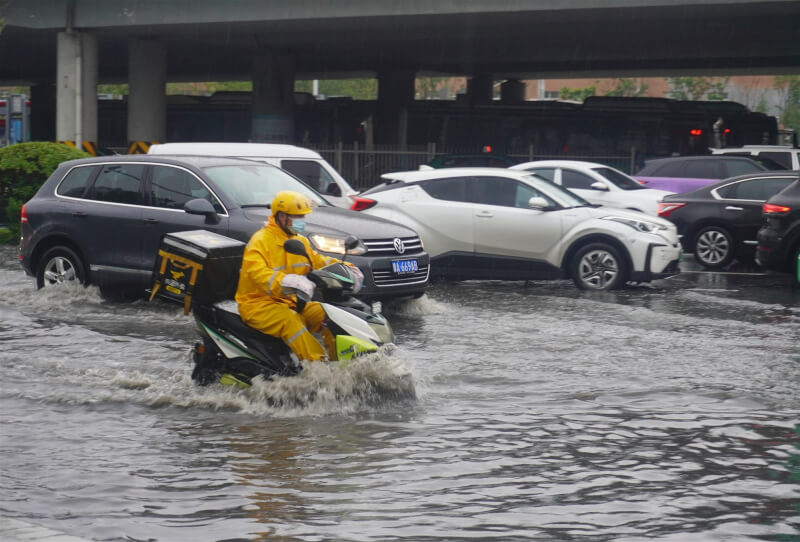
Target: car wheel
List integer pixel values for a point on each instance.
(59, 265)
(713, 247)
(599, 266)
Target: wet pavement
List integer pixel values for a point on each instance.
(506, 411)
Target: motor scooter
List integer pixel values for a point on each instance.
(233, 353)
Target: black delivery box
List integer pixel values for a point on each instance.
(197, 266)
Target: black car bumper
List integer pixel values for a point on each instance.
(770, 253)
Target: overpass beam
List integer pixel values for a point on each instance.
(147, 98)
(272, 114)
(395, 93)
(76, 90)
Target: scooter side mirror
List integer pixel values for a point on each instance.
(293, 246)
(350, 242)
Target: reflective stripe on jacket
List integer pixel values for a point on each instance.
(266, 262)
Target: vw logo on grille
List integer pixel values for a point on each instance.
(398, 245)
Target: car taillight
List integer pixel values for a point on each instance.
(23, 216)
(666, 209)
(359, 204)
(772, 209)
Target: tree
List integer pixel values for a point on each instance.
(716, 91)
(789, 85)
(358, 89)
(115, 90)
(696, 88)
(762, 106)
(577, 94)
(628, 87)
(429, 87)
(24, 167)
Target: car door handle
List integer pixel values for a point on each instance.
(733, 208)
(80, 214)
(484, 214)
(152, 220)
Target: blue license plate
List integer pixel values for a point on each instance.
(401, 267)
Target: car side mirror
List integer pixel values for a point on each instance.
(334, 190)
(200, 206)
(538, 202)
(599, 186)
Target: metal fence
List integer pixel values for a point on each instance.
(363, 167)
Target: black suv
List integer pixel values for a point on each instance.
(700, 167)
(100, 221)
(779, 236)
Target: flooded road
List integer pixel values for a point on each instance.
(506, 411)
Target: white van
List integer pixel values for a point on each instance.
(305, 164)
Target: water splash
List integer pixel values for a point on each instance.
(324, 388)
(417, 307)
(371, 381)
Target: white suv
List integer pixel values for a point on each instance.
(598, 183)
(770, 156)
(305, 164)
(492, 223)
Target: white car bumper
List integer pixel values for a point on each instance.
(659, 259)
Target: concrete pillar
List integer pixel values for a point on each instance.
(43, 112)
(76, 89)
(147, 99)
(480, 90)
(273, 98)
(395, 94)
(512, 91)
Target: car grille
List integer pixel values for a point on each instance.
(387, 278)
(386, 247)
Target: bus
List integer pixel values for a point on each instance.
(599, 126)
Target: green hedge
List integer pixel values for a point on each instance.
(24, 167)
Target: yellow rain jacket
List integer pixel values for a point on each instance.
(262, 303)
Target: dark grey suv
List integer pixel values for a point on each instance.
(100, 221)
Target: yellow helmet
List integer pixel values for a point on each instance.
(291, 203)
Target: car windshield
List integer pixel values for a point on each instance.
(256, 185)
(618, 178)
(562, 196)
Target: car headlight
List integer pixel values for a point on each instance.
(644, 226)
(335, 245)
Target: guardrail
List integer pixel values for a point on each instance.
(363, 166)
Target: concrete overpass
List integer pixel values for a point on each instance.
(62, 48)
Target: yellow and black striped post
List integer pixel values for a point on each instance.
(140, 147)
(88, 146)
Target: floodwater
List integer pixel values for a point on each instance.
(506, 411)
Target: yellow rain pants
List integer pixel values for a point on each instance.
(262, 303)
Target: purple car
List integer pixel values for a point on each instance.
(687, 173)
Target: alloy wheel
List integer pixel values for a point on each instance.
(712, 247)
(598, 269)
(59, 270)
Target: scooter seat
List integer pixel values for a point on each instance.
(232, 321)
